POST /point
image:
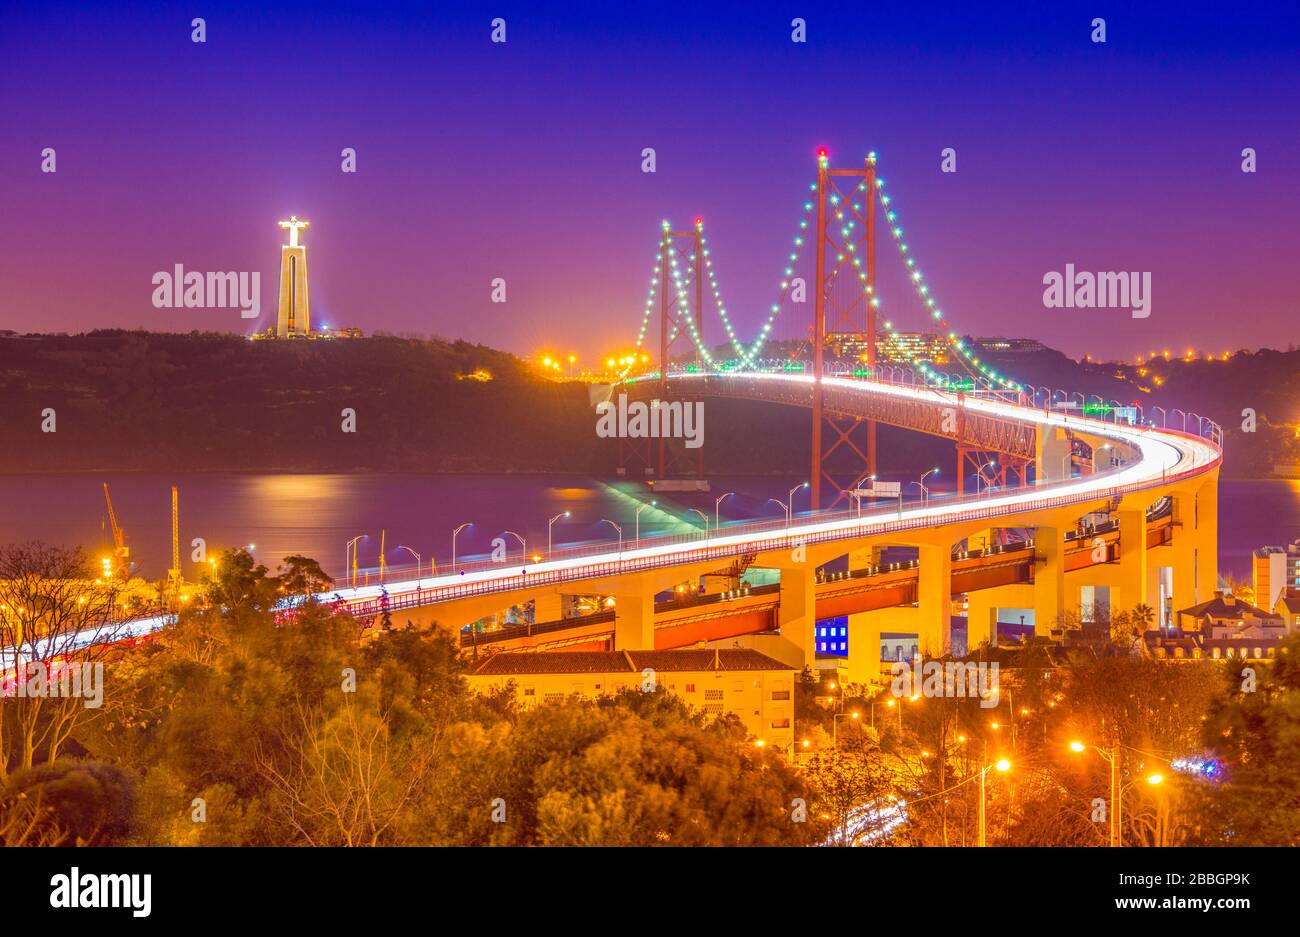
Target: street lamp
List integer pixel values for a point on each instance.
(1003, 766)
(790, 509)
(857, 486)
(454, 534)
(605, 520)
(549, 525)
(704, 517)
(350, 551)
(523, 546)
(835, 722)
(717, 509)
(637, 537)
(418, 562)
(979, 475)
(925, 492)
(1112, 758)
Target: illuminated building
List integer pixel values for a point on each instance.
(1273, 570)
(893, 347)
(1224, 628)
(997, 345)
(294, 317)
(753, 686)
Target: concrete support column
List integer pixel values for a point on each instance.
(1049, 578)
(981, 616)
(797, 615)
(1133, 579)
(1051, 454)
(548, 607)
(1207, 539)
(934, 599)
(634, 618)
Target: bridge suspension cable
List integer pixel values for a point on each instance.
(748, 356)
(972, 364)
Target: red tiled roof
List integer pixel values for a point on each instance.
(1218, 608)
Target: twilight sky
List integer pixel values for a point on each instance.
(523, 161)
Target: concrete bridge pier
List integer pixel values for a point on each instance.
(1196, 541)
(934, 599)
(1049, 576)
(1133, 574)
(1051, 454)
(634, 614)
(797, 614)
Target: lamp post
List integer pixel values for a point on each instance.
(637, 536)
(549, 525)
(717, 509)
(979, 475)
(857, 485)
(835, 722)
(925, 492)
(418, 561)
(783, 506)
(1112, 758)
(1117, 788)
(790, 509)
(605, 520)
(704, 517)
(1003, 766)
(454, 534)
(350, 551)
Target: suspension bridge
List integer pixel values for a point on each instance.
(1151, 482)
(1051, 472)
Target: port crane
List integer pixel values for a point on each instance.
(121, 551)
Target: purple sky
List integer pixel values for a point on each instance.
(523, 161)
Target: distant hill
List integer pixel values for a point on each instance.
(138, 401)
(142, 401)
(1265, 381)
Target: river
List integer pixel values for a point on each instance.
(316, 515)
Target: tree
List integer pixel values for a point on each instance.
(301, 575)
(1253, 729)
(78, 803)
(60, 621)
(853, 791)
(345, 779)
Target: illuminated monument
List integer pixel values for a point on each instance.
(295, 311)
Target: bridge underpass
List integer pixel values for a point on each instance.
(890, 589)
(1173, 470)
(1155, 464)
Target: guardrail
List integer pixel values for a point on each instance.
(786, 535)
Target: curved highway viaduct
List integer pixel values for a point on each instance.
(1178, 554)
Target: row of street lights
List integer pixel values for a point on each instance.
(350, 552)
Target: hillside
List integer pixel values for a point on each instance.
(140, 401)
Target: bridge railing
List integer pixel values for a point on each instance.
(774, 535)
(869, 522)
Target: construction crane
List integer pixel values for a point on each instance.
(120, 549)
(174, 574)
